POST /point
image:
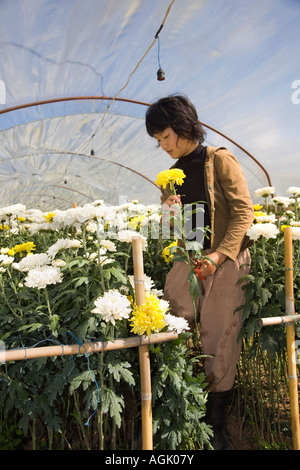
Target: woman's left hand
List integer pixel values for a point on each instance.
(207, 268)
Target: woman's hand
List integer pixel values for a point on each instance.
(206, 267)
(170, 208)
(172, 199)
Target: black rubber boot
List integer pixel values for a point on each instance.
(217, 403)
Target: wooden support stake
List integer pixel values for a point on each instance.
(146, 396)
(290, 337)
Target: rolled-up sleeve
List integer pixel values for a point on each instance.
(231, 184)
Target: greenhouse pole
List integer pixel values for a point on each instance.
(290, 336)
(144, 357)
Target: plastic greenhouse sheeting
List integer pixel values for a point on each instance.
(223, 55)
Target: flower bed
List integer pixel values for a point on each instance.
(69, 274)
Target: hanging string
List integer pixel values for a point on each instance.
(158, 51)
(92, 375)
(80, 344)
(131, 74)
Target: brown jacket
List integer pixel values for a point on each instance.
(229, 201)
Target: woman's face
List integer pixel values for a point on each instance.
(175, 146)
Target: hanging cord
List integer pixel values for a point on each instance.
(158, 51)
(128, 80)
(92, 375)
(73, 363)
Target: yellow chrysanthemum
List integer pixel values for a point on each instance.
(257, 207)
(148, 317)
(167, 256)
(28, 246)
(172, 176)
(283, 227)
(259, 213)
(49, 217)
(135, 222)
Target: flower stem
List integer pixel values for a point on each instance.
(47, 301)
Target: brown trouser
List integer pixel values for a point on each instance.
(219, 326)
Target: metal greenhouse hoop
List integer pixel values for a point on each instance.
(127, 100)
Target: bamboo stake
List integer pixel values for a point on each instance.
(73, 349)
(144, 357)
(290, 337)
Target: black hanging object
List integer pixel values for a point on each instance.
(92, 152)
(161, 74)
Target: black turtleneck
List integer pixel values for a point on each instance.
(192, 189)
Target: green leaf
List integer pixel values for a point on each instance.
(265, 295)
(120, 371)
(31, 327)
(112, 403)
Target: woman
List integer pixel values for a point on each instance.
(213, 175)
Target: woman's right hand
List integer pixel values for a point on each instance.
(172, 199)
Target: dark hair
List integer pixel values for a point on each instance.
(177, 112)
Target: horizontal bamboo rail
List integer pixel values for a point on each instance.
(279, 320)
(72, 349)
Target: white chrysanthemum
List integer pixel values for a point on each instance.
(293, 223)
(148, 283)
(91, 226)
(128, 235)
(43, 276)
(296, 233)
(109, 245)
(266, 218)
(62, 244)
(264, 192)
(164, 305)
(177, 324)
(98, 202)
(15, 209)
(283, 201)
(267, 230)
(32, 261)
(35, 228)
(112, 306)
(293, 190)
(80, 214)
(157, 292)
(5, 260)
(60, 263)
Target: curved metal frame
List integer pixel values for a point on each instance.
(77, 98)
